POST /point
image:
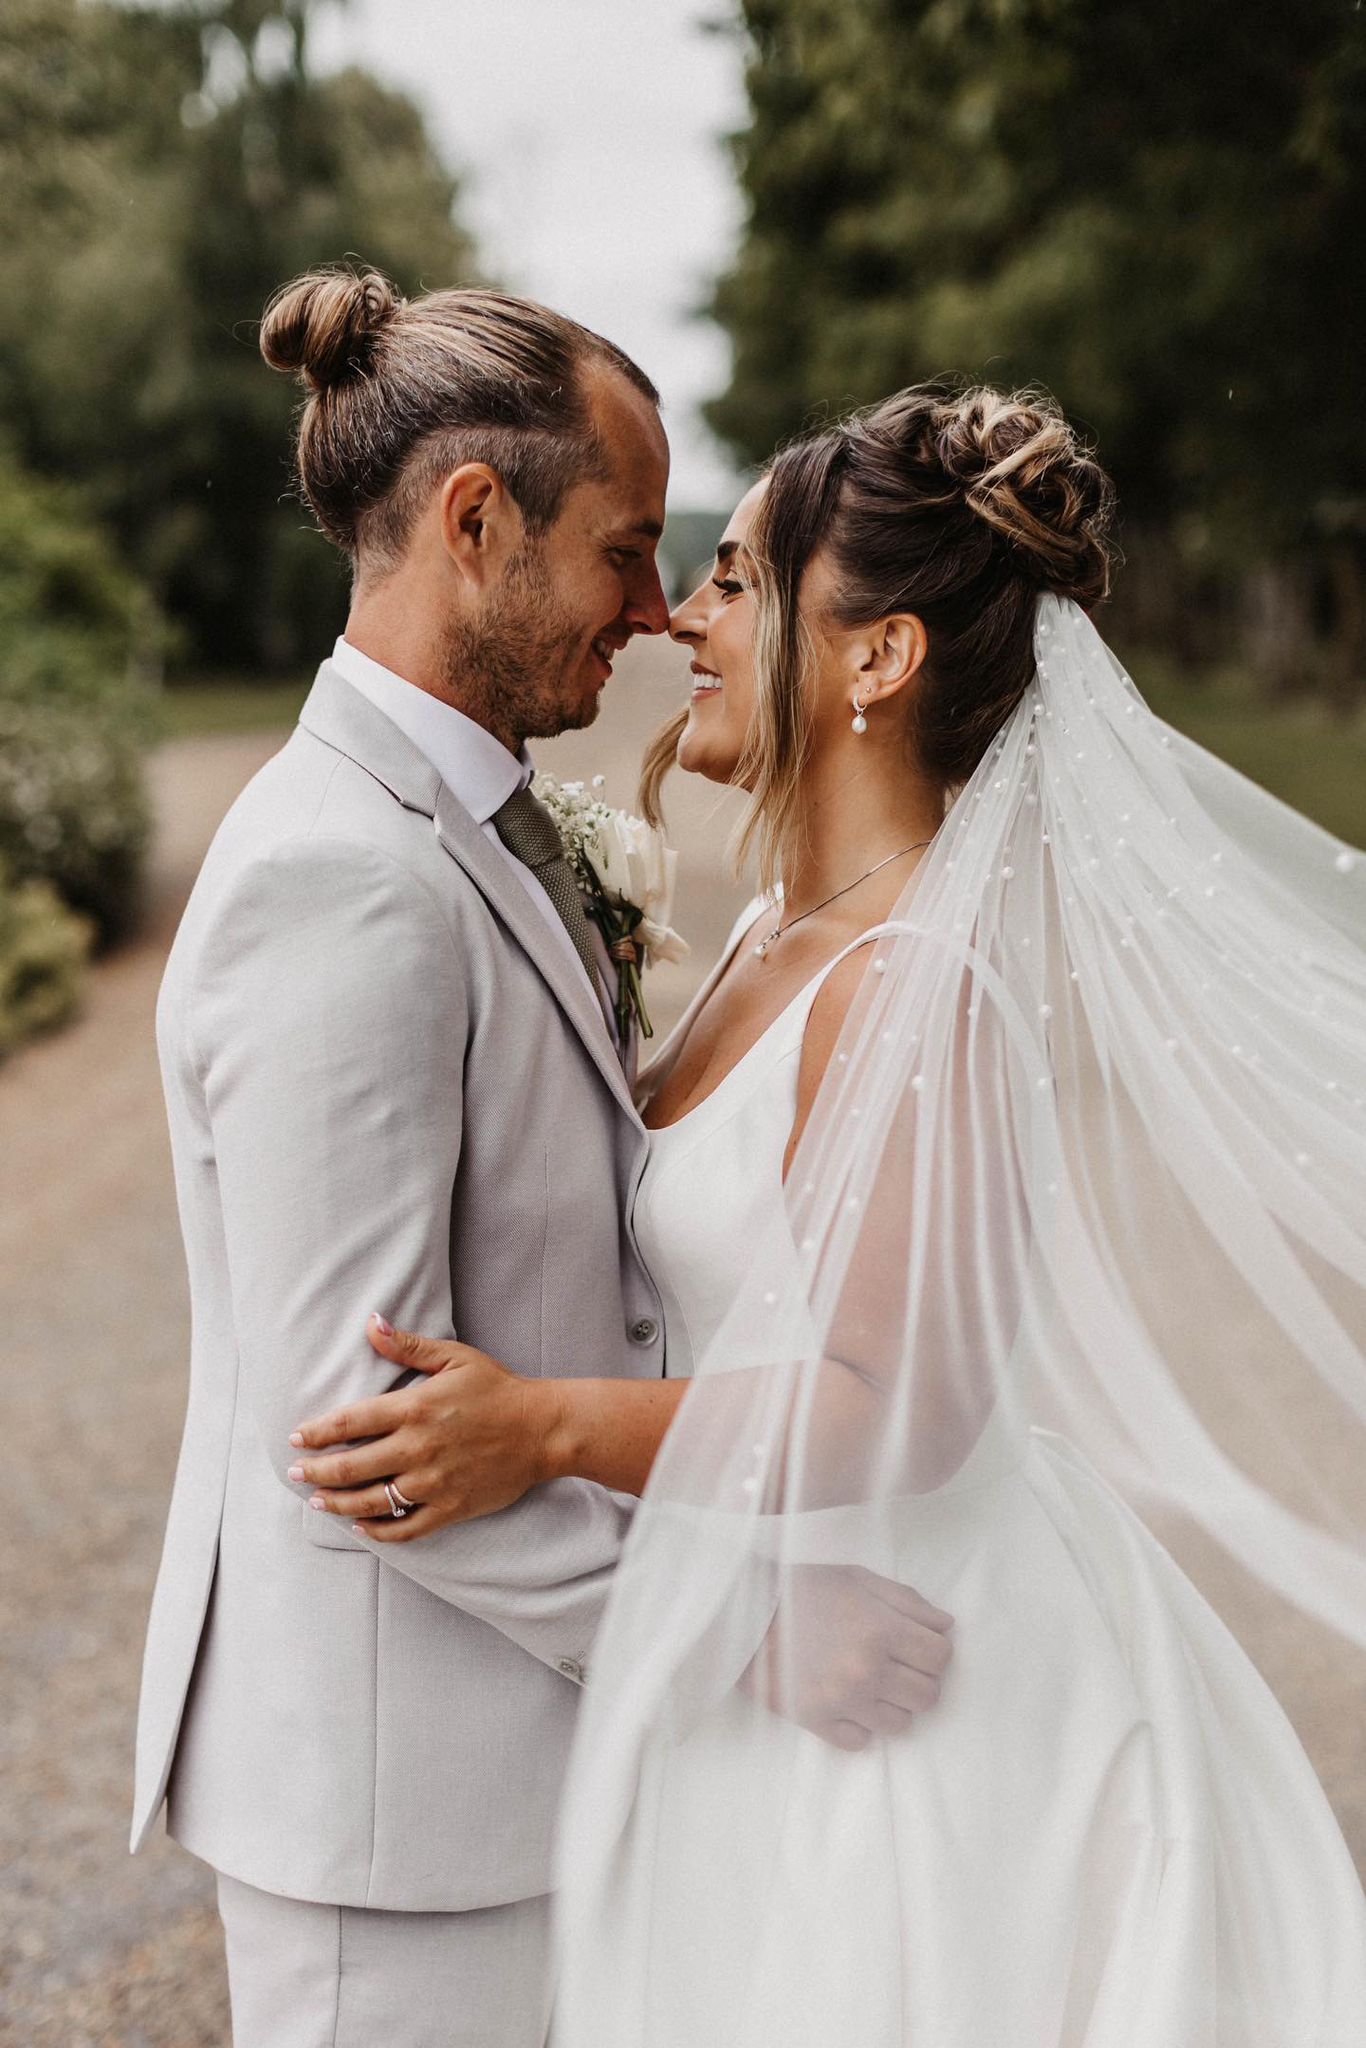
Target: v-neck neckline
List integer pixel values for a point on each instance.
(677, 1039)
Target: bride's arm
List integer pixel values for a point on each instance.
(915, 1345)
(611, 1430)
(473, 1436)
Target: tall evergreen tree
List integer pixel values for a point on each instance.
(1153, 211)
(161, 171)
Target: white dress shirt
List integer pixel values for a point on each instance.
(476, 768)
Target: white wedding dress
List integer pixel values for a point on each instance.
(1106, 1834)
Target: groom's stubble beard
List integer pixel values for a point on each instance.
(507, 669)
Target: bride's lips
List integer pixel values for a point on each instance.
(706, 683)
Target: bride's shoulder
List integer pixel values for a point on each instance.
(839, 985)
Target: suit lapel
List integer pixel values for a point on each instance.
(344, 719)
(486, 868)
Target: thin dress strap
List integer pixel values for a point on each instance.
(786, 1031)
(790, 1024)
(874, 931)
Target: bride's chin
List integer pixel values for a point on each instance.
(696, 756)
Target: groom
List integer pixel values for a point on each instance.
(392, 1083)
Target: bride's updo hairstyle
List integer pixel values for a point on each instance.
(958, 507)
(402, 391)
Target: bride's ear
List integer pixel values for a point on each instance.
(889, 654)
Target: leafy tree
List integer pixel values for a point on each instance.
(1153, 211)
(172, 166)
(74, 713)
(74, 626)
(43, 951)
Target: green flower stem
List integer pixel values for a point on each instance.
(617, 922)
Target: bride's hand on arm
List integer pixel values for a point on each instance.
(472, 1437)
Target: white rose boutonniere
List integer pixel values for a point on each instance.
(627, 875)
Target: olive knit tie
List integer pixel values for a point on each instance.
(527, 830)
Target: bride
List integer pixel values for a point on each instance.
(1006, 1197)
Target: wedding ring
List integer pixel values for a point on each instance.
(399, 1503)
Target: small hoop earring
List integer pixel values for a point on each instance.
(860, 722)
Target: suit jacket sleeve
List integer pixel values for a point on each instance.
(328, 1029)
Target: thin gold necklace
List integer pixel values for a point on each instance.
(780, 930)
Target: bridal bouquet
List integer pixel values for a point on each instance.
(627, 875)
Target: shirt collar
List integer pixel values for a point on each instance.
(477, 769)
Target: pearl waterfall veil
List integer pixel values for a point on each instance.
(1085, 1185)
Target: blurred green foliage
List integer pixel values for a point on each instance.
(75, 626)
(224, 705)
(75, 705)
(73, 807)
(1303, 750)
(43, 950)
(1155, 211)
(162, 169)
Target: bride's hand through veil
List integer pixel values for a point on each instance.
(883, 1654)
(846, 1651)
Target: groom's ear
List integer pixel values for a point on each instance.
(481, 526)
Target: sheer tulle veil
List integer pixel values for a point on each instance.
(1088, 1171)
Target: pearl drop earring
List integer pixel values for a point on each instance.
(860, 722)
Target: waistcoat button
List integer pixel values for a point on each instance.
(645, 1331)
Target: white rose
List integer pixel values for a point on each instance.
(619, 859)
(637, 869)
(661, 943)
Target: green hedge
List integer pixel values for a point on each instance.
(73, 809)
(43, 951)
(75, 710)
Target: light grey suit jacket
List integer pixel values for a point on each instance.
(388, 1087)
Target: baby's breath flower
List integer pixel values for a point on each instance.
(627, 876)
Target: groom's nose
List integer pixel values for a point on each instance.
(647, 608)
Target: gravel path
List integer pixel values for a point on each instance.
(99, 1950)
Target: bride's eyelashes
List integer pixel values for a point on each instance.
(727, 586)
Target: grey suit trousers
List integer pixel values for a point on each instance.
(304, 1975)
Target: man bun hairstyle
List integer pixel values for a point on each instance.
(324, 325)
(399, 392)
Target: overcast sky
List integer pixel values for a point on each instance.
(588, 135)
